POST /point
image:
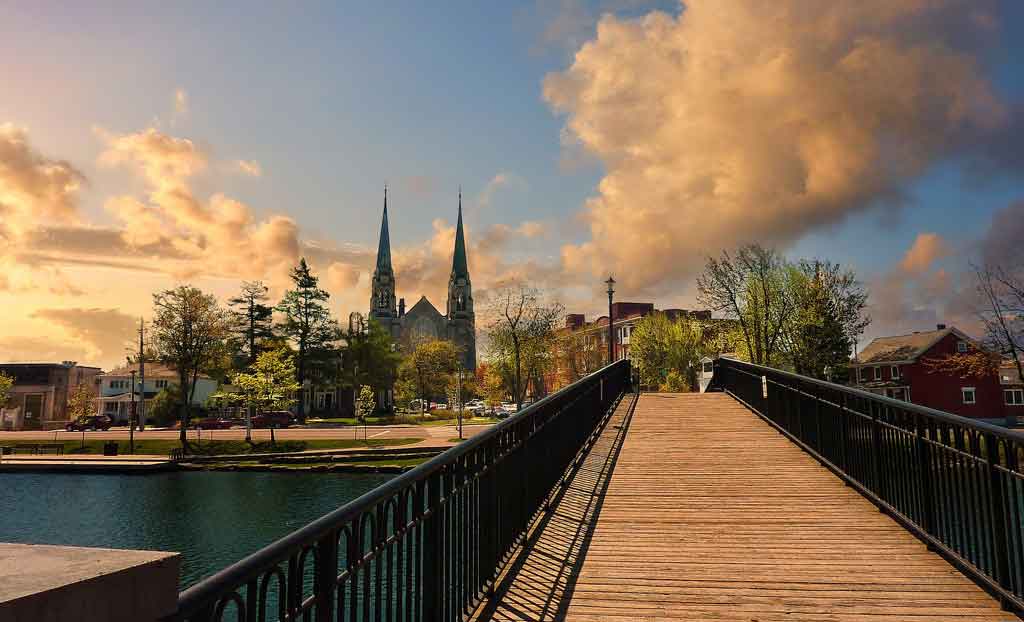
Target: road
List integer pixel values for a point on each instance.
(431, 435)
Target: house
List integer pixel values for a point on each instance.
(39, 397)
(116, 386)
(898, 367)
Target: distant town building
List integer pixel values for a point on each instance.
(585, 344)
(39, 398)
(115, 389)
(423, 321)
(897, 367)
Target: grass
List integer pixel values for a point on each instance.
(233, 448)
(363, 465)
(430, 419)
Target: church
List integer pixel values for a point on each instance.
(423, 322)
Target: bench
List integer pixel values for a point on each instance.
(39, 448)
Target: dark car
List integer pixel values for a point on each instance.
(90, 422)
(213, 423)
(276, 418)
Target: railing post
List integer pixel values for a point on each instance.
(432, 567)
(924, 467)
(326, 576)
(876, 450)
(844, 436)
(997, 512)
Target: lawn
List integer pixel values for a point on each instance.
(430, 420)
(209, 448)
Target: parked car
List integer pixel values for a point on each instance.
(213, 423)
(477, 407)
(89, 422)
(275, 418)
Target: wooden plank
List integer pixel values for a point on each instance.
(701, 511)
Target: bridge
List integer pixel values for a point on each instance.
(776, 497)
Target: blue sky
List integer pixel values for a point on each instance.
(333, 100)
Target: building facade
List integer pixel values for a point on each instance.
(114, 396)
(39, 397)
(898, 367)
(423, 321)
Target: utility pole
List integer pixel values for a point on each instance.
(458, 399)
(131, 419)
(142, 376)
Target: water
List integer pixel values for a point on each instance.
(212, 519)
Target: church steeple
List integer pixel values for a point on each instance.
(459, 263)
(382, 296)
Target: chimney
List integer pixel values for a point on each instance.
(401, 307)
(940, 327)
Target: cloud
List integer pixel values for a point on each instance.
(500, 180)
(106, 334)
(251, 168)
(1003, 244)
(32, 185)
(180, 104)
(738, 121)
(926, 250)
(419, 185)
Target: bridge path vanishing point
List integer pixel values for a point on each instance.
(696, 509)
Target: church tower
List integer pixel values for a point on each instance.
(461, 319)
(383, 305)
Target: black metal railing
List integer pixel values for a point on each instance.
(953, 482)
(427, 545)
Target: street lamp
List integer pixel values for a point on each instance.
(611, 342)
(131, 419)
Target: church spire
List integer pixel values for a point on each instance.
(459, 264)
(384, 247)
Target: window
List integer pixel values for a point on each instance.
(961, 346)
(878, 373)
(968, 394)
(861, 377)
(1013, 397)
(894, 372)
(709, 367)
(160, 384)
(899, 393)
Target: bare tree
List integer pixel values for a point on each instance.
(188, 331)
(1001, 291)
(750, 286)
(521, 335)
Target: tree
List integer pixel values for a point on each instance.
(188, 330)
(365, 404)
(251, 317)
(661, 347)
(430, 367)
(826, 320)
(521, 336)
(80, 402)
(6, 383)
(369, 355)
(578, 354)
(750, 287)
(307, 323)
(270, 383)
(1001, 290)
(165, 406)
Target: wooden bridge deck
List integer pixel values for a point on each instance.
(696, 509)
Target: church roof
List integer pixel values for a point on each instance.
(459, 263)
(422, 307)
(384, 248)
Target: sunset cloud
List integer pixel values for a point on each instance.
(926, 250)
(738, 122)
(33, 185)
(251, 168)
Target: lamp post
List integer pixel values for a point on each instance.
(611, 342)
(458, 400)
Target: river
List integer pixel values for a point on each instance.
(212, 519)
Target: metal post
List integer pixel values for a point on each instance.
(611, 329)
(131, 419)
(458, 399)
(997, 514)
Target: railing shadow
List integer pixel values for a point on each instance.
(538, 584)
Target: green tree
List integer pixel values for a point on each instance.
(165, 406)
(365, 404)
(80, 402)
(270, 383)
(430, 367)
(251, 318)
(369, 356)
(188, 331)
(660, 346)
(308, 323)
(6, 384)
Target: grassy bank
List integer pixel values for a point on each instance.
(428, 420)
(384, 465)
(233, 448)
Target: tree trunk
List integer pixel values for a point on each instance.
(183, 408)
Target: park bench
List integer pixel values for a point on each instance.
(39, 448)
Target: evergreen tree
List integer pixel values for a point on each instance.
(308, 323)
(251, 318)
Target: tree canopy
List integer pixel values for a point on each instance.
(521, 337)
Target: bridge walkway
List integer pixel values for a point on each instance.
(693, 508)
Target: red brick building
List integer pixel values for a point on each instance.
(896, 367)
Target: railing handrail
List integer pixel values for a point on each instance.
(981, 426)
(268, 556)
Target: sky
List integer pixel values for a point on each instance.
(145, 144)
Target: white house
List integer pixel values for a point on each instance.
(115, 389)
